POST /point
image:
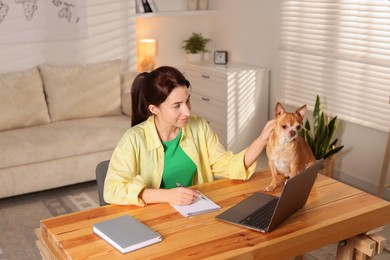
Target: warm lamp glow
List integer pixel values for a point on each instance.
(147, 48)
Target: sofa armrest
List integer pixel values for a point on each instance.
(127, 79)
(126, 103)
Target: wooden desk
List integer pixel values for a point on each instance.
(333, 212)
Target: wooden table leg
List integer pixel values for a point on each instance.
(361, 247)
(361, 256)
(345, 249)
(381, 242)
(365, 245)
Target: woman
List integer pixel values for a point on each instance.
(167, 149)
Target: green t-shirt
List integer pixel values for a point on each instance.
(178, 167)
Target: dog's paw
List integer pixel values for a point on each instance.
(269, 188)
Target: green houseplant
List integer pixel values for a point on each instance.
(196, 43)
(321, 137)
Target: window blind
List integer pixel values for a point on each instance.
(339, 50)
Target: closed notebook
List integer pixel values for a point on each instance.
(200, 206)
(126, 233)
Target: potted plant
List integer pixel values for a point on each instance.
(320, 138)
(195, 46)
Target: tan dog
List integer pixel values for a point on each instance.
(288, 153)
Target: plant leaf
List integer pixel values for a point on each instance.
(307, 125)
(317, 113)
(333, 151)
(321, 135)
(333, 143)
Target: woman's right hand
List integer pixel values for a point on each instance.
(182, 196)
(176, 196)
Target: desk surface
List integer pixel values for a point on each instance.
(334, 212)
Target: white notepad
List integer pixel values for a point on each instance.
(200, 206)
(126, 233)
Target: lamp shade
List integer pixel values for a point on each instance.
(147, 47)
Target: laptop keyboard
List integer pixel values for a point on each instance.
(261, 217)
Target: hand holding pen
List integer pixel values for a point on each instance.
(182, 195)
(181, 185)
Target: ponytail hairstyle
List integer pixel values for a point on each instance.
(153, 88)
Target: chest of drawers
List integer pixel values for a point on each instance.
(233, 99)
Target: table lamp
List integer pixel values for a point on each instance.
(147, 50)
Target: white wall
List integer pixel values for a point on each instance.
(249, 30)
(110, 37)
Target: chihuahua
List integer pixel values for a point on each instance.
(288, 153)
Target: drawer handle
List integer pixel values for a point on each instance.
(205, 76)
(205, 99)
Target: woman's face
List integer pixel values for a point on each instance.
(176, 109)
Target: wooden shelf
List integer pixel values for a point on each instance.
(176, 13)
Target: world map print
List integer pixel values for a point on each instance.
(42, 20)
(30, 6)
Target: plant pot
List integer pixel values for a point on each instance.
(194, 57)
(327, 168)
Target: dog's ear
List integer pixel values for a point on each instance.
(302, 111)
(279, 110)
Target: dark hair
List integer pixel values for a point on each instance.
(153, 88)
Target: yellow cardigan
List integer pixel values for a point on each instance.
(138, 160)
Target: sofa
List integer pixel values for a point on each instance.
(58, 122)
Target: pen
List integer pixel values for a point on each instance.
(178, 184)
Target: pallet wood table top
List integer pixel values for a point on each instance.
(333, 212)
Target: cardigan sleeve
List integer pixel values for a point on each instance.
(122, 184)
(224, 163)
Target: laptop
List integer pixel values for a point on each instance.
(263, 212)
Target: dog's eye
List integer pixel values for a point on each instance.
(298, 127)
(284, 126)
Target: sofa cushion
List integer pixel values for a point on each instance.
(22, 100)
(63, 139)
(82, 91)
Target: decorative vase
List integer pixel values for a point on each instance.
(194, 57)
(327, 168)
(203, 4)
(192, 4)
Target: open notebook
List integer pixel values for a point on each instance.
(200, 206)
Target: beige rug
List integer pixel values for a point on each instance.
(20, 215)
